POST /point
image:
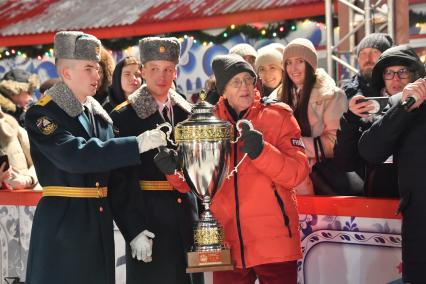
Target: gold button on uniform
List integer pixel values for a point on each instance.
(179, 200)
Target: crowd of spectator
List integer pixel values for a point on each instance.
(290, 74)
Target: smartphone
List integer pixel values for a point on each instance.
(4, 159)
(379, 103)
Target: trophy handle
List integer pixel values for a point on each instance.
(240, 133)
(168, 132)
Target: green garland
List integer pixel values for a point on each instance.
(272, 30)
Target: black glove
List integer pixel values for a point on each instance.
(253, 141)
(167, 161)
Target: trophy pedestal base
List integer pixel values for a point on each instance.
(202, 261)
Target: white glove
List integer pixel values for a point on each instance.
(151, 139)
(141, 246)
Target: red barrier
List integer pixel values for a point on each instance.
(321, 205)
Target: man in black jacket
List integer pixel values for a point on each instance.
(401, 133)
(164, 210)
(368, 51)
(395, 68)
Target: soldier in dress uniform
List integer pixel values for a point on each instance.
(165, 211)
(73, 149)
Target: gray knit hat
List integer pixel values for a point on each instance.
(227, 66)
(303, 48)
(77, 45)
(157, 48)
(378, 41)
(243, 49)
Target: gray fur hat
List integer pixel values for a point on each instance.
(157, 48)
(77, 45)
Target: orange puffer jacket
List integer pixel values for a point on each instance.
(257, 206)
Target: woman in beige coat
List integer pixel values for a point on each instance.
(316, 101)
(15, 144)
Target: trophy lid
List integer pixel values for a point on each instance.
(202, 124)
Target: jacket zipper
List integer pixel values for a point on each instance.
(285, 216)
(237, 207)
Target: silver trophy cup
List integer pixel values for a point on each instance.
(204, 147)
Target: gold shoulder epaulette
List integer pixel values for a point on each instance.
(120, 106)
(44, 100)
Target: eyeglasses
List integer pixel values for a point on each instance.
(401, 73)
(237, 83)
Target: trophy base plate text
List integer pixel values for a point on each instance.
(202, 261)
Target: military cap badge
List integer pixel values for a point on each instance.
(157, 48)
(45, 125)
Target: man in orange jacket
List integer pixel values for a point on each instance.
(257, 206)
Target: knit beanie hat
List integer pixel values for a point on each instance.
(243, 49)
(303, 48)
(268, 55)
(401, 55)
(278, 46)
(378, 41)
(227, 66)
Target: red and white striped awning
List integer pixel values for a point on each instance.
(29, 22)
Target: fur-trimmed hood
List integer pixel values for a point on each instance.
(12, 88)
(65, 99)
(145, 104)
(6, 104)
(324, 88)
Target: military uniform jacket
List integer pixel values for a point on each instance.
(169, 214)
(72, 238)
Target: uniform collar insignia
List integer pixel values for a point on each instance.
(145, 105)
(65, 99)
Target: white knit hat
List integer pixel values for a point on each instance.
(268, 55)
(243, 49)
(278, 46)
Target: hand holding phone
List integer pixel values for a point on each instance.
(359, 107)
(377, 103)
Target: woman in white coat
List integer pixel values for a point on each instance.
(315, 99)
(15, 144)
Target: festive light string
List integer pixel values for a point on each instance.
(268, 31)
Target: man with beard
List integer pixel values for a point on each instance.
(368, 51)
